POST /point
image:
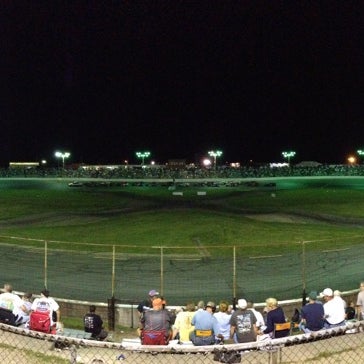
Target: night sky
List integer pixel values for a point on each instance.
(104, 79)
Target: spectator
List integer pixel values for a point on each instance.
(350, 311)
(94, 324)
(312, 315)
(334, 312)
(275, 315)
(8, 299)
(260, 324)
(8, 304)
(147, 303)
(183, 324)
(243, 323)
(45, 303)
(360, 302)
(205, 325)
(23, 311)
(337, 293)
(156, 324)
(223, 319)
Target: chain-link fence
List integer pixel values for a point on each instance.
(95, 272)
(338, 345)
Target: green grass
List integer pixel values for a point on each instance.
(142, 216)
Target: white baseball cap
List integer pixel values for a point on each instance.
(327, 292)
(242, 303)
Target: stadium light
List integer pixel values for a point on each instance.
(215, 154)
(63, 155)
(288, 155)
(142, 155)
(351, 160)
(360, 152)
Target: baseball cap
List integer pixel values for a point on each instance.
(242, 303)
(153, 292)
(312, 295)
(327, 292)
(211, 304)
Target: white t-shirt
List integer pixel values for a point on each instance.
(44, 304)
(334, 311)
(10, 301)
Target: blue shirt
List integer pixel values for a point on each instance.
(204, 320)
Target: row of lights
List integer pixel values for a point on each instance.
(212, 153)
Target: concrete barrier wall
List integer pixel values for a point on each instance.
(128, 316)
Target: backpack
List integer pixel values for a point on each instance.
(40, 321)
(7, 317)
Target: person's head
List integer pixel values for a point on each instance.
(152, 293)
(45, 293)
(337, 293)
(200, 305)
(157, 303)
(190, 306)
(92, 308)
(210, 306)
(242, 304)
(362, 286)
(327, 294)
(271, 303)
(250, 304)
(27, 296)
(312, 296)
(223, 306)
(8, 288)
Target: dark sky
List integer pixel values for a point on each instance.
(104, 79)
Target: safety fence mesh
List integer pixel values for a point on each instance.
(96, 272)
(338, 345)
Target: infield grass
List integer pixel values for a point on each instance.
(152, 216)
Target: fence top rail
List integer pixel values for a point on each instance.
(174, 347)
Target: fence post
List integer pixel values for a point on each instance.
(111, 313)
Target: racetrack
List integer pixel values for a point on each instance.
(198, 272)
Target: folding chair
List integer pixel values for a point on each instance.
(284, 329)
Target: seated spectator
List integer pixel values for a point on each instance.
(205, 325)
(275, 315)
(182, 326)
(242, 323)
(8, 299)
(23, 311)
(337, 293)
(260, 324)
(334, 312)
(350, 311)
(8, 303)
(47, 304)
(156, 324)
(93, 324)
(147, 303)
(223, 319)
(312, 314)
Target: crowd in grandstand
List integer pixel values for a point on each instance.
(189, 172)
(208, 324)
(204, 324)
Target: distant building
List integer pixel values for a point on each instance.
(24, 165)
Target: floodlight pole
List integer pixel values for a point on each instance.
(215, 154)
(63, 156)
(142, 155)
(288, 155)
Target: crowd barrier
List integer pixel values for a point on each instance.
(338, 345)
